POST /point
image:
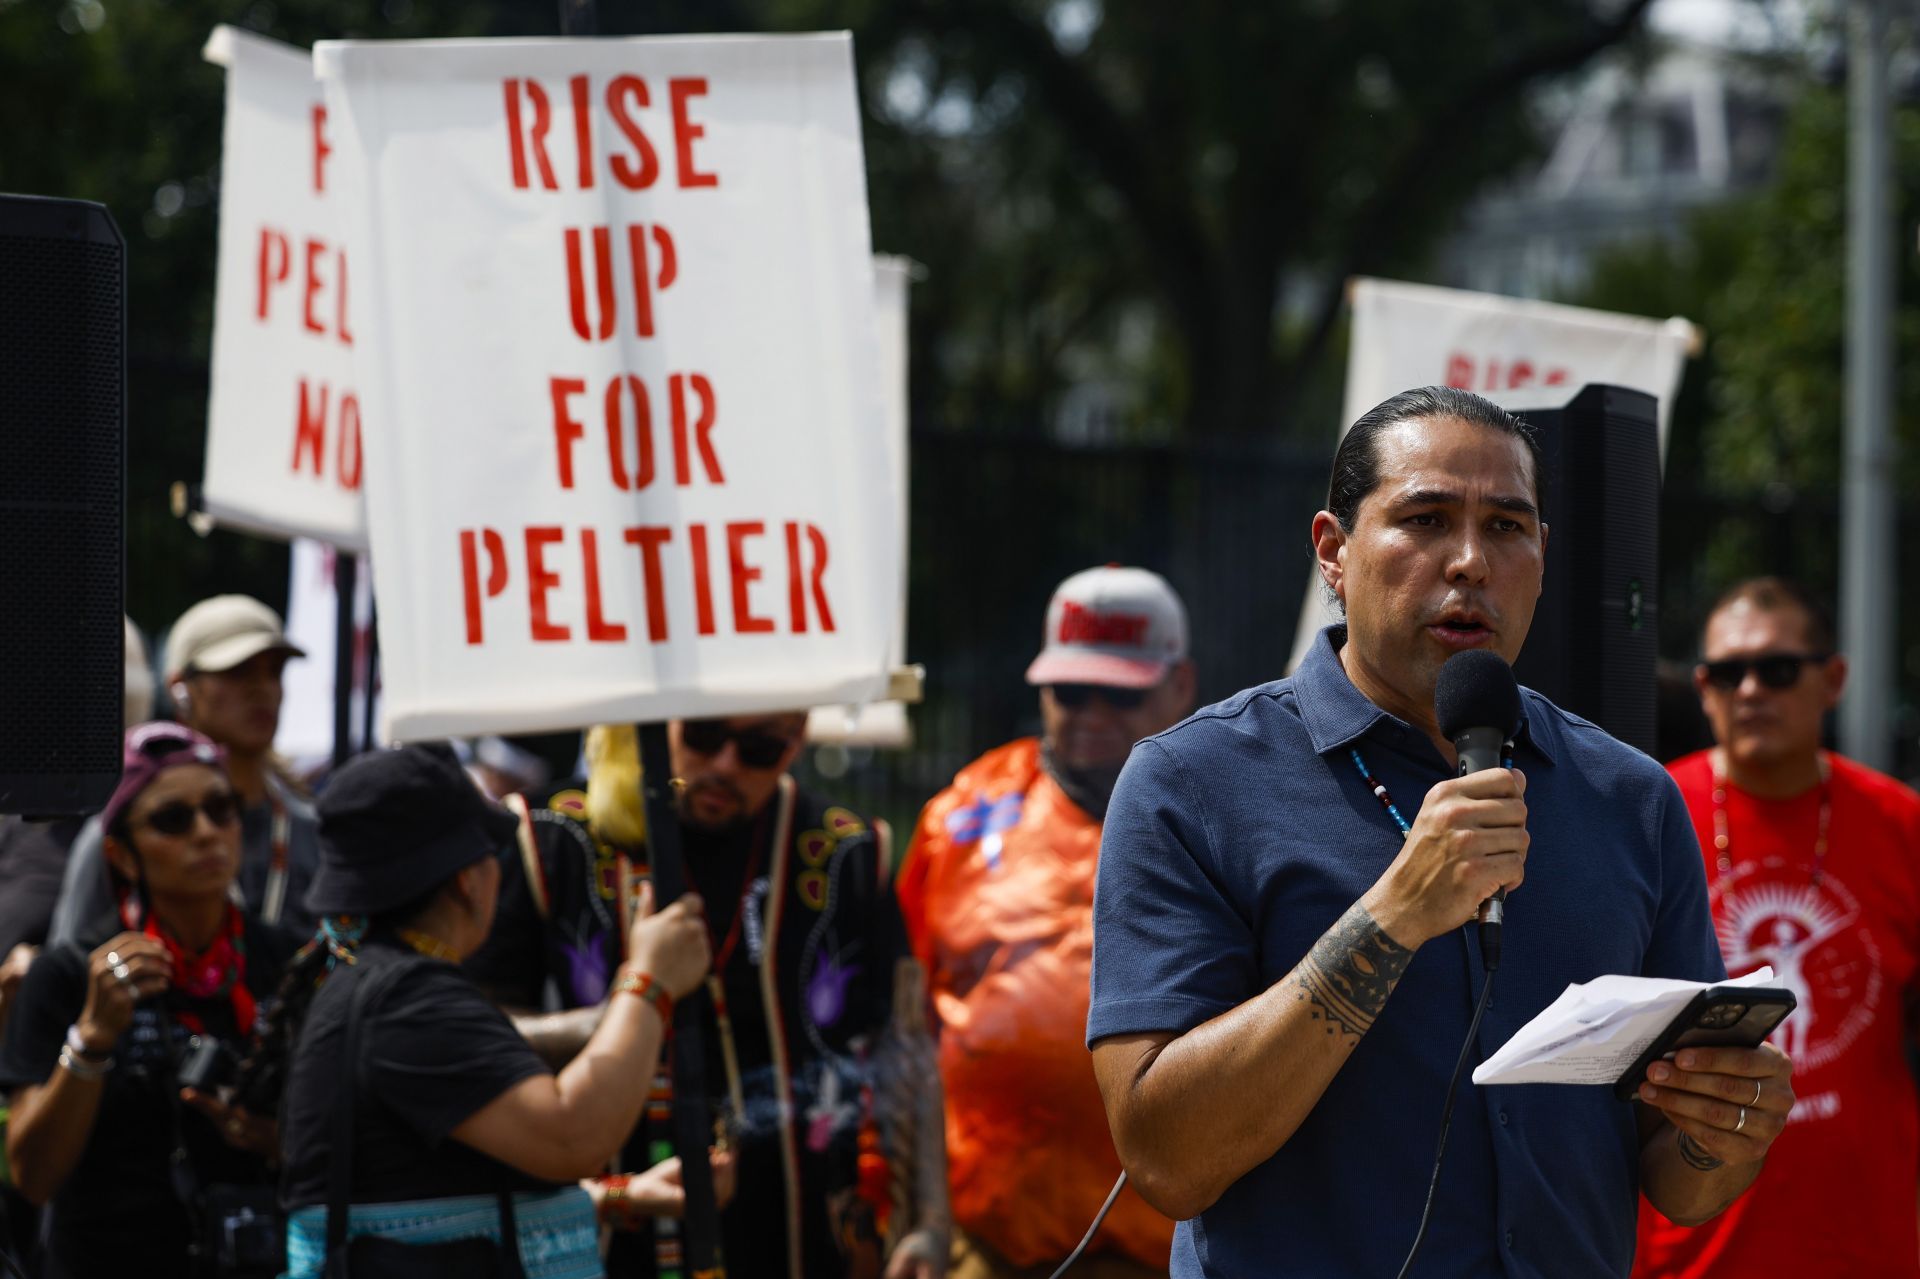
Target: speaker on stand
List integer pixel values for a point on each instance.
(63, 412)
(1595, 640)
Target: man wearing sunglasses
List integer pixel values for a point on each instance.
(223, 662)
(1813, 867)
(997, 891)
(799, 906)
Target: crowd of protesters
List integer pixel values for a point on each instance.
(416, 1024)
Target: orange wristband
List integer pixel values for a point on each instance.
(643, 985)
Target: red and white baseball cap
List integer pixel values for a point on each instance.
(1122, 627)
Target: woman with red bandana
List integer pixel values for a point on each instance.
(132, 1162)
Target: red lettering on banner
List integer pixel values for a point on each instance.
(744, 575)
(677, 386)
(685, 131)
(602, 280)
(582, 131)
(1082, 625)
(1460, 371)
(640, 272)
(349, 433)
(643, 285)
(702, 580)
(315, 250)
(566, 429)
(321, 150)
(346, 334)
(519, 142)
(642, 474)
(276, 262)
(310, 429)
(649, 539)
(635, 176)
(540, 580)
(470, 575)
(599, 630)
(1465, 372)
(797, 578)
(1556, 377)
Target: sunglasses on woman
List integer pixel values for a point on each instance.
(176, 818)
(757, 747)
(1776, 670)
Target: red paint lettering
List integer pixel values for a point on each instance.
(744, 575)
(321, 149)
(677, 386)
(582, 130)
(602, 279)
(470, 575)
(635, 176)
(649, 538)
(796, 581)
(540, 580)
(599, 630)
(276, 261)
(1460, 371)
(685, 131)
(642, 434)
(315, 250)
(310, 429)
(567, 430)
(643, 285)
(818, 541)
(519, 142)
(702, 579)
(349, 459)
(346, 334)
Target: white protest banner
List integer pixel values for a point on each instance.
(283, 421)
(1518, 353)
(617, 321)
(883, 723)
(307, 705)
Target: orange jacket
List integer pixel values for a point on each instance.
(997, 894)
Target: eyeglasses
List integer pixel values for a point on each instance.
(757, 747)
(221, 808)
(1776, 670)
(1074, 696)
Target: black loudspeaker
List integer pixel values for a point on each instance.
(63, 415)
(1595, 638)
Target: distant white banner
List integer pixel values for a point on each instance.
(1519, 354)
(618, 327)
(283, 419)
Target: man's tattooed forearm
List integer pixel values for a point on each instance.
(1349, 973)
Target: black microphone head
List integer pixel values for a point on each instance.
(1477, 690)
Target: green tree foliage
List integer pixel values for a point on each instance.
(1755, 460)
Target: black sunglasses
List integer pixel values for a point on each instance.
(1075, 696)
(221, 808)
(758, 748)
(1776, 670)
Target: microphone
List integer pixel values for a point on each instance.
(1477, 703)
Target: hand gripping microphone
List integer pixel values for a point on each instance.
(1477, 703)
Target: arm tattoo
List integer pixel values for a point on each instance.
(1349, 973)
(1696, 1155)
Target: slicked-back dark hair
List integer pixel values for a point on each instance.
(1356, 464)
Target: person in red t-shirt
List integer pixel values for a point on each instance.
(997, 894)
(1813, 865)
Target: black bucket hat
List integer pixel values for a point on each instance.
(395, 824)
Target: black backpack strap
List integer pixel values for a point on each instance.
(340, 1151)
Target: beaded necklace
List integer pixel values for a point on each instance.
(1386, 801)
(1723, 844)
(429, 945)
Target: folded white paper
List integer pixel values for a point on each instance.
(1595, 1030)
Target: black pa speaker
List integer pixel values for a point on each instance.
(1594, 641)
(63, 413)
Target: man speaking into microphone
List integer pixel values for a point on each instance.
(1281, 977)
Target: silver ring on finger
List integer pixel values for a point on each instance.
(1743, 1120)
(1756, 1093)
(113, 959)
(122, 973)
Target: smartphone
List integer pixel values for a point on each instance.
(1717, 1017)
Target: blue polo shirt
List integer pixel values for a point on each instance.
(1238, 837)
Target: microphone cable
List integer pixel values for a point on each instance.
(1446, 1120)
(1098, 1217)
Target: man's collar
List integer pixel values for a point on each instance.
(1337, 714)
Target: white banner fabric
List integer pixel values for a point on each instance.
(306, 709)
(617, 321)
(283, 420)
(1518, 353)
